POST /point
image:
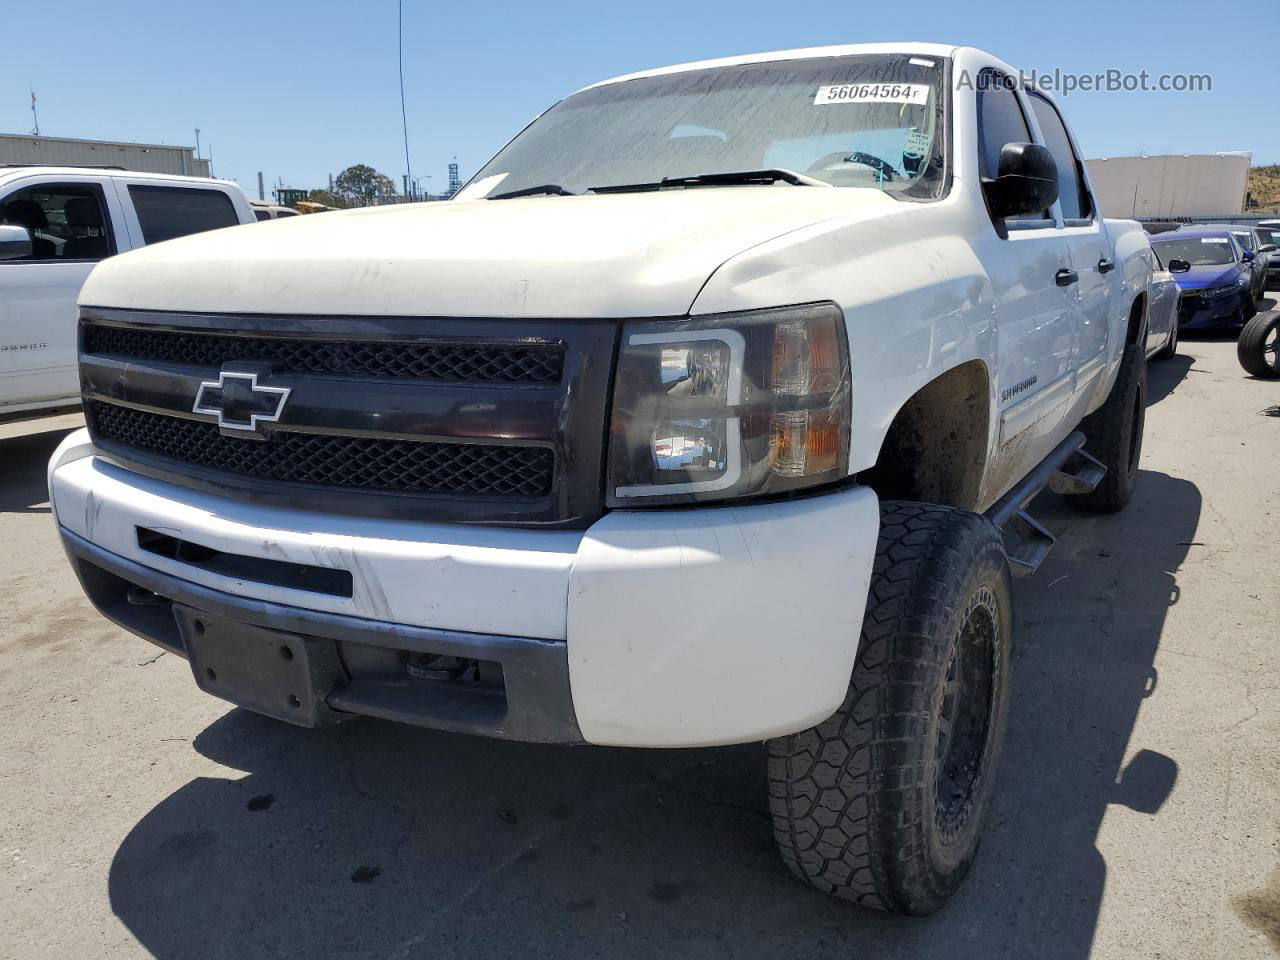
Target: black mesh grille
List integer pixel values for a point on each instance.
(458, 362)
(351, 462)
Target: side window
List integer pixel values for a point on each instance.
(168, 212)
(68, 221)
(1072, 192)
(1000, 120)
(262, 215)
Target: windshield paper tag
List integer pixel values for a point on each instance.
(917, 144)
(873, 93)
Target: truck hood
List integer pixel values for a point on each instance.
(624, 255)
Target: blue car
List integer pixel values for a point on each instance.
(1214, 275)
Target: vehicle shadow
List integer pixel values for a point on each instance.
(1164, 376)
(371, 839)
(23, 461)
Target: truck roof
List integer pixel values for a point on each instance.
(801, 53)
(11, 171)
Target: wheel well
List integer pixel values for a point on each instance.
(936, 447)
(1137, 316)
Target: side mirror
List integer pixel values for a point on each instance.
(1026, 183)
(15, 242)
(1268, 248)
(1179, 266)
(1248, 256)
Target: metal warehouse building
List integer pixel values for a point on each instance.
(148, 157)
(1204, 185)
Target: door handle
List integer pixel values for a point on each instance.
(1065, 278)
(1105, 265)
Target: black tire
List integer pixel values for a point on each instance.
(1170, 349)
(877, 804)
(1113, 434)
(1259, 346)
(1248, 309)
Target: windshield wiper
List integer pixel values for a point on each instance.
(771, 175)
(544, 189)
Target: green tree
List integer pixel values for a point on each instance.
(361, 185)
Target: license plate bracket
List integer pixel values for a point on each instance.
(283, 675)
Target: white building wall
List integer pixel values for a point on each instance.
(1171, 186)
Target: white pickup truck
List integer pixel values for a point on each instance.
(56, 223)
(708, 413)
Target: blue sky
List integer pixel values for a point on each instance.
(302, 88)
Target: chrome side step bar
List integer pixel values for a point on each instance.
(1068, 469)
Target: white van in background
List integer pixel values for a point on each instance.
(55, 224)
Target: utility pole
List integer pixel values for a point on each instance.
(197, 142)
(404, 117)
(262, 194)
(35, 131)
(211, 159)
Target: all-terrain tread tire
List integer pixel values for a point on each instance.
(1253, 339)
(852, 799)
(1108, 435)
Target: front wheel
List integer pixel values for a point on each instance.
(1258, 349)
(883, 802)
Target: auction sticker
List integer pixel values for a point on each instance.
(873, 93)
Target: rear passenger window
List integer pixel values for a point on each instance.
(1072, 192)
(168, 212)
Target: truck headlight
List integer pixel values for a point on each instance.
(731, 405)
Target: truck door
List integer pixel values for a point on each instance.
(74, 221)
(1092, 256)
(1027, 265)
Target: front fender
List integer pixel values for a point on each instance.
(916, 299)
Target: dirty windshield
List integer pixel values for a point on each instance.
(861, 121)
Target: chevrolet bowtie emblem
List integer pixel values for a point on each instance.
(238, 402)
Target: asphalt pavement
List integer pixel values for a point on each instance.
(1137, 814)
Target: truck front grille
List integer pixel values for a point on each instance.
(420, 418)
(307, 458)
(448, 362)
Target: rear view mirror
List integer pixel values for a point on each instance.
(1026, 183)
(1268, 248)
(1179, 266)
(15, 242)
(1248, 256)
